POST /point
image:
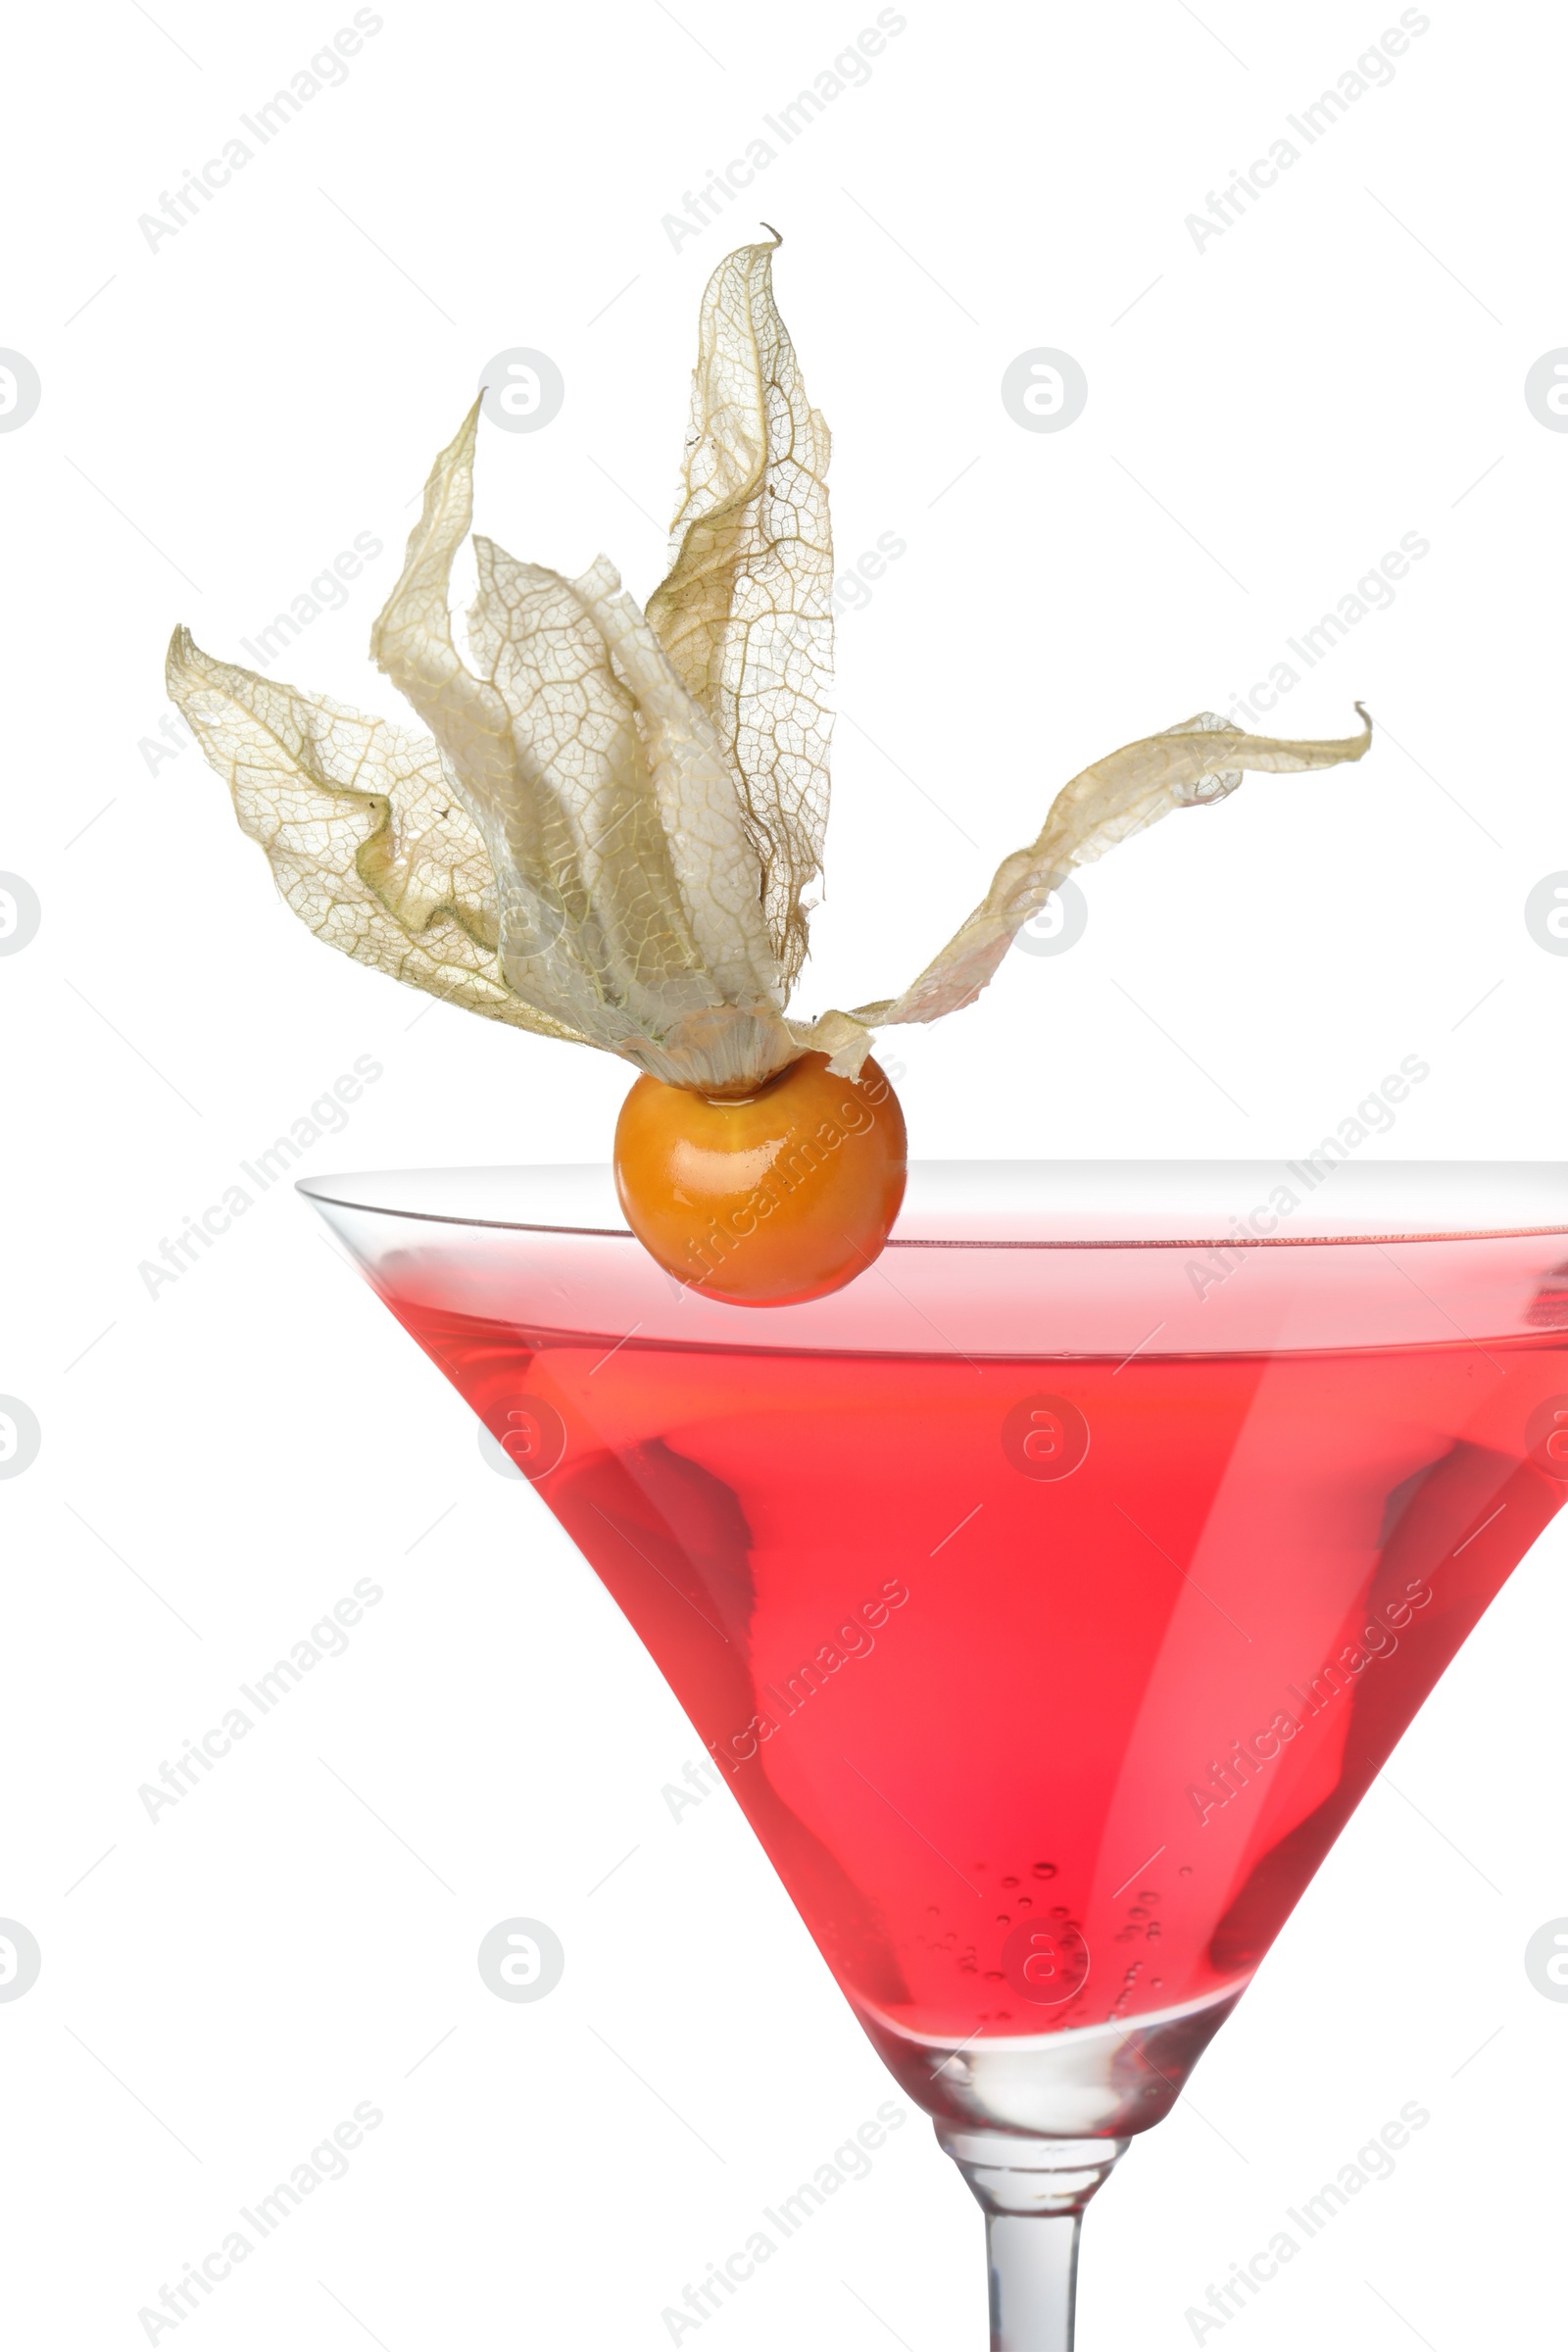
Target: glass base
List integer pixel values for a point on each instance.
(1034, 2121)
(1033, 2193)
(1090, 2082)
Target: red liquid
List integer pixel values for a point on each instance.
(1030, 1750)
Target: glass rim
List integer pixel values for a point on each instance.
(1051, 1205)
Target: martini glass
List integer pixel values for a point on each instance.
(1050, 1597)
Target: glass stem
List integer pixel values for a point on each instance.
(1033, 2280)
(1033, 2193)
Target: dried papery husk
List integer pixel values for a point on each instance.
(363, 830)
(609, 834)
(1191, 765)
(745, 612)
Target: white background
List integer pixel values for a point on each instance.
(221, 416)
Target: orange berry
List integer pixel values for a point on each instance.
(769, 1197)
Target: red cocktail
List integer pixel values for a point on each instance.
(1049, 1598)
